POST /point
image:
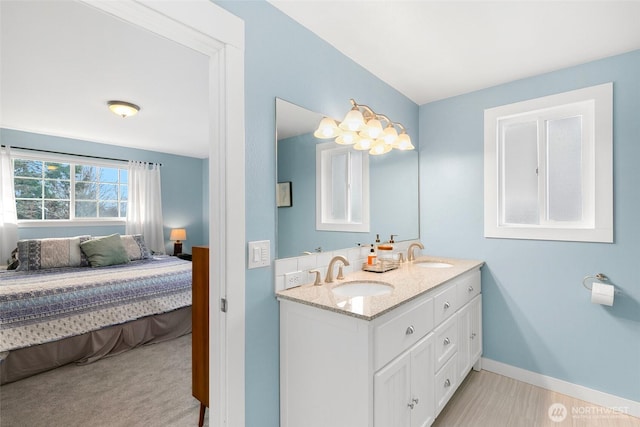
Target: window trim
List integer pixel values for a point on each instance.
(72, 159)
(601, 160)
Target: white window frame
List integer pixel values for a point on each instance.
(595, 106)
(325, 152)
(74, 160)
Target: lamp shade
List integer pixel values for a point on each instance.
(178, 234)
(403, 142)
(353, 121)
(327, 129)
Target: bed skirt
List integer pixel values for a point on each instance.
(93, 346)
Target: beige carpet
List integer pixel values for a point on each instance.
(147, 386)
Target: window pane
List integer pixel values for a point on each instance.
(108, 209)
(56, 170)
(124, 192)
(520, 179)
(108, 175)
(124, 176)
(564, 169)
(56, 189)
(108, 192)
(86, 173)
(29, 209)
(31, 168)
(28, 188)
(339, 187)
(86, 209)
(356, 186)
(123, 210)
(55, 209)
(86, 191)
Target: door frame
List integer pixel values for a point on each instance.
(207, 28)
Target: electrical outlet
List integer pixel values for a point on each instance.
(297, 278)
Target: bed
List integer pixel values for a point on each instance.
(79, 312)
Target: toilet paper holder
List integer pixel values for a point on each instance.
(601, 277)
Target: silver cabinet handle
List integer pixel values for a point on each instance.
(447, 305)
(413, 403)
(470, 288)
(447, 383)
(446, 341)
(410, 330)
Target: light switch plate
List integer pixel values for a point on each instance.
(259, 254)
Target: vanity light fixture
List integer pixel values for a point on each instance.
(362, 128)
(123, 109)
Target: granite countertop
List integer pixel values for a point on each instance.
(409, 281)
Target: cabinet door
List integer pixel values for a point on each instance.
(392, 394)
(475, 348)
(470, 335)
(422, 383)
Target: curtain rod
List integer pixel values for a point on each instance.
(77, 155)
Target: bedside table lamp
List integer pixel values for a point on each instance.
(178, 234)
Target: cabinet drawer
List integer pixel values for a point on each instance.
(468, 287)
(445, 303)
(398, 332)
(446, 340)
(446, 383)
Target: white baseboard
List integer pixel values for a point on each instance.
(627, 406)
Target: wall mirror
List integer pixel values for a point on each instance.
(393, 190)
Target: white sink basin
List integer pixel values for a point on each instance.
(362, 288)
(433, 264)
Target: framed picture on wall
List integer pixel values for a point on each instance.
(283, 193)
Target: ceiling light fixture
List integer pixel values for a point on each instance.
(362, 128)
(123, 109)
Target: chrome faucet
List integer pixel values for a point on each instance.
(410, 254)
(329, 277)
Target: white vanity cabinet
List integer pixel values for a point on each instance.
(398, 369)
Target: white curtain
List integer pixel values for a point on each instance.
(144, 210)
(8, 215)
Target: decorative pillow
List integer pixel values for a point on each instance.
(36, 254)
(135, 246)
(104, 251)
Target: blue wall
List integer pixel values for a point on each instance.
(183, 204)
(537, 315)
(282, 59)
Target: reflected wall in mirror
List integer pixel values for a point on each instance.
(393, 190)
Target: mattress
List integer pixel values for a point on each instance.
(47, 305)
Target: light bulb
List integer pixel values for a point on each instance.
(373, 129)
(390, 135)
(379, 147)
(363, 144)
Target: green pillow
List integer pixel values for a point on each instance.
(105, 251)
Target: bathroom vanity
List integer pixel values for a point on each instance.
(348, 359)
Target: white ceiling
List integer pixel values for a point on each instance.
(430, 50)
(62, 61)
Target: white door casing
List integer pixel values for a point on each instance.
(211, 30)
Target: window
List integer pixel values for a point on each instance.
(51, 188)
(541, 179)
(342, 188)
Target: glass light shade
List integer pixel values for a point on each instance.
(363, 144)
(403, 142)
(390, 135)
(123, 109)
(347, 138)
(178, 234)
(327, 129)
(373, 129)
(380, 147)
(353, 121)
